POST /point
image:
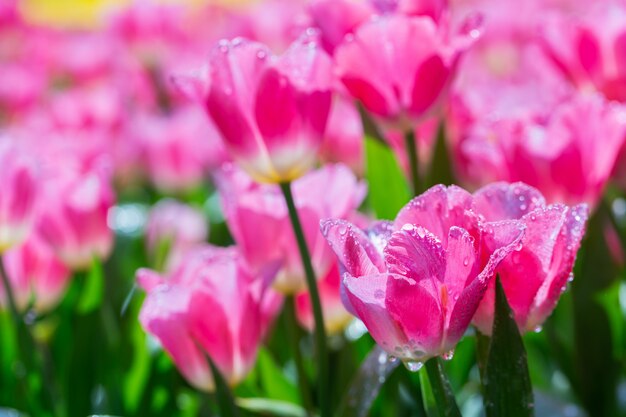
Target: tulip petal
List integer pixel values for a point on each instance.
(504, 201)
(415, 253)
(355, 252)
(437, 210)
(367, 296)
(417, 312)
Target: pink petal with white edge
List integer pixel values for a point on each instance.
(438, 209)
(355, 252)
(368, 296)
(417, 254)
(418, 313)
(505, 201)
(164, 315)
(563, 258)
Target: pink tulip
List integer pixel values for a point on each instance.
(589, 46)
(534, 277)
(35, 272)
(178, 226)
(399, 67)
(505, 74)
(336, 317)
(177, 151)
(210, 305)
(343, 138)
(258, 219)
(270, 110)
(567, 153)
(20, 187)
(338, 18)
(416, 282)
(73, 220)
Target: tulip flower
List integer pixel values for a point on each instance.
(336, 317)
(399, 67)
(338, 18)
(177, 226)
(271, 111)
(35, 273)
(19, 184)
(533, 277)
(74, 221)
(210, 305)
(258, 219)
(568, 154)
(177, 151)
(589, 47)
(416, 282)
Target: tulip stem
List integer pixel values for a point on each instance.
(320, 331)
(442, 391)
(17, 318)
(411, 151)
(294, 337)
(224, 396)
(25, 342)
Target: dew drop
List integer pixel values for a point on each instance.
(392, 359)
(538, 329)
(533, 217)
(261, 55)
(448, 355)
(379, 294)
(413, 366)
(570, 278)
(382, 358)
(466, 262)
(342, 230)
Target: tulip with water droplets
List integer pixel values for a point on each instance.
(407, 280)
(536, 274)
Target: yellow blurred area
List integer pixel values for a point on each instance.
(86, 13)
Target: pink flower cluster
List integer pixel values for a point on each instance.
(535, 127)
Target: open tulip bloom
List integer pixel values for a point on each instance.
(343, 187)
(416, 282)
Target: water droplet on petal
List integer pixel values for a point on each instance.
(570, 278)
(448, 355)
(538, 329)
(466, 262)
(413, 366)
(379, 294)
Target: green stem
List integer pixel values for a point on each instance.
(442, 391)
(411, 151)
(225, 399)
(25, 342)
(17, 318)
(294, 337)
(320, 331)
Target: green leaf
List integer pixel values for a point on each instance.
(440, 169)
(506, 386)
(93, 288)
(441, 389)
(275, 385)
(366, 384)
(272, 407)
(388, 189)
(594, 360)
